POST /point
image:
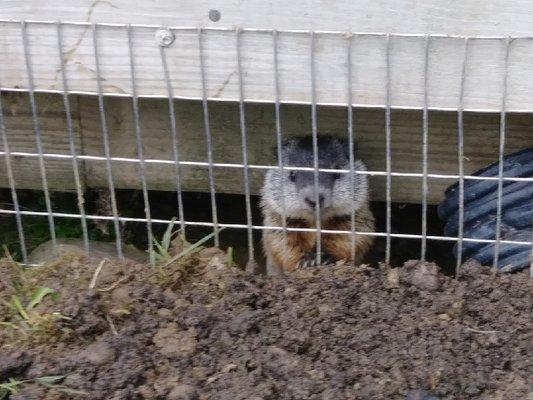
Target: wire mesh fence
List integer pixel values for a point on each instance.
(179, 159)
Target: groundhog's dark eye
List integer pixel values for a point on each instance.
(292, 176)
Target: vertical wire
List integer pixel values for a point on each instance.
(388, 152)
(68, 119)
(314, 132)
(351, 145)
(244, 146)
(140, 153)
(207, 131)
(425, 138)
(174, 136)
(279, 138)
(37, 132)
(105, 139)
(501, 151)
(11, 180)
(531, 255)
(460, 156)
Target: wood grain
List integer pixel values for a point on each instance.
(484, 71)
(21, 138)
(481, 135)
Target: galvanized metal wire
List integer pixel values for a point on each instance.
(72, 146)
(244, 148)
(263, 227)
(105, 140)
(265, 167)
(12, 185)
(179, 160)
(460, 160)
(174, 138)
(208, 139)
(501, 151)
(140, 151)
(314, 133)
(425, 145)
(37, 132)
(279, 136)
(351, 145)
(388, 151)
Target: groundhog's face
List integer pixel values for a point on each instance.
(296, 192)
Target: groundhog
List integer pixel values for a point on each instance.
(288, 251)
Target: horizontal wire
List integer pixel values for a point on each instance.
(263, 30)
(267, 101)
(259, 227)
(261, 167)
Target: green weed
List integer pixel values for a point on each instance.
(25, 317)
(12, 386)
(162, 251)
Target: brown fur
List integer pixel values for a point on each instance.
(286, 251)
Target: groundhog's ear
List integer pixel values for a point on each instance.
(285, 144)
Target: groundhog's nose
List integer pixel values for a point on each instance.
(312, 202)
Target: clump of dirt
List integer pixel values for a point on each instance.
(207, 331)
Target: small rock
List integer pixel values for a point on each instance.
(216, 262)
(165, 313)
(172, 342)
(199, 373)
(183, 392)
(211, 252)
(324, 309)
(445, 317)
(456, 309)
(46, 252)
(282, 361)
(73, 380)
(146, 392)
(121, 295)
(99, 353)
(423, 275)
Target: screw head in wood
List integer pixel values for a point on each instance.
(165, 37)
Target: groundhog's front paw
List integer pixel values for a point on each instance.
(309, 260)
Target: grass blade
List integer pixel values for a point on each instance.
(191, 248)
(38, 295)
(167, 237)
(17, 304)
(50, 380)
(160, 249)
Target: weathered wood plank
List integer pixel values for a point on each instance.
(483, 85)
(481, 143)
(470, 17)
(54, 136)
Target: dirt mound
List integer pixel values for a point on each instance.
(207, 331)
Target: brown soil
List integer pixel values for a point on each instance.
(207, 331)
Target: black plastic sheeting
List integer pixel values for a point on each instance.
(481, 199)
